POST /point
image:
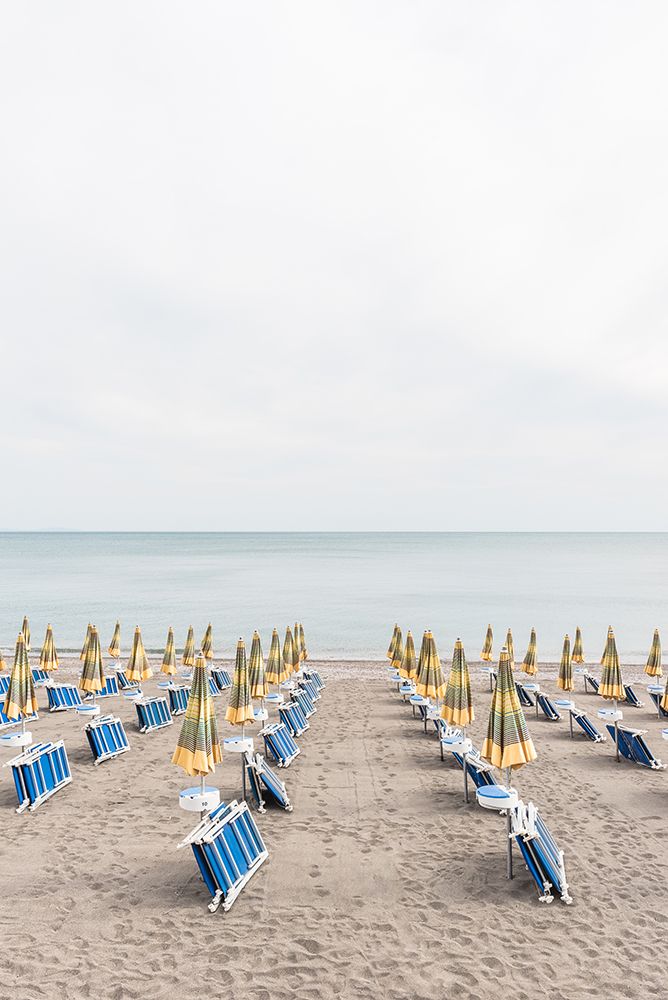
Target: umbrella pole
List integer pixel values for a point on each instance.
(509, 870)
(202, 789)
(243, 768)
(466, 770)
(614, 705)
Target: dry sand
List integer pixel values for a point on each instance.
(380, 884)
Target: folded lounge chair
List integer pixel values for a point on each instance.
(657, 699)
(632, 699)
(123, 682)
(221, 679)
(526, 701)
(548, 708)
(110, 687)
(310, 687)
(153, 713)
(178, 698)
(590, 680)
(228, 849)
(313, 675)
(106, 737)
(264, 784)
(303, 700)
(4, 683)
(480, 772)
(39, 676)
(62, 696)
(279, 744)
(7, 723)
(587, 726)
(632, 745)
(291, 714)
(39, 772)
(543, 858)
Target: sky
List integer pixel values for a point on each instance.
(334, 266)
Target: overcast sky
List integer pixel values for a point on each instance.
(343, 265)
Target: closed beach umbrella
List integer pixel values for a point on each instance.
(565, 676)
(198, 747)
(25, 628)
(664, 700)
(290, 657)
(207, 643)
(188, 657)
(20, 699)
(390, 648)
(240, 708)
(257, 679)
(84, 648)
(458, 703)
(510, 648)
(408, 668)
(529, 661)
(507, 745)
(276, 671)
(653, 666)
(430, 681)
(48, 658)
(487, 645)
(303, 651)
(169, 658)
(612, 687)
(92, 671)
(297, 645)
(138, 668)
(398, 655)
(578, 654)
(115, 644)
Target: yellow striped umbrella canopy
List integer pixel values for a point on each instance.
(398, 655)
(240, 709)
(25, 628)
(510, 648)
(276, 671)
(578, 654)
(408, 668)
(303, 651)
(92, 671)
(529, 661)
(115, 644)
(48, 658)
(2, 661)
(169, 658)
(20, 700)
(207, 643)
(486, 653)
(653, 666)
(198, 747)
(507, 744)
(138, 668)
(295, 640)
(390, 648)
(664, 700)
(188, 657)
(565, 676)
(430, 681)
(257, 678)
(458, 703)
(84, 648)
(611, 686)
(290, 655)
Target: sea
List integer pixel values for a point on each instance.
(348, 589)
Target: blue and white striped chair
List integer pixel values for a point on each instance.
(587, 726)
(39, 676)
(153, 714)
(304, 701)
(313, 675)
(106, 737)
(633, 746)
(39, 772)
(264, 783)
(221, 678)
(279, 744)
(291, 714)
(62, 696)
(178, 698)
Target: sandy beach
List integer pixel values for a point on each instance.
(381, 884)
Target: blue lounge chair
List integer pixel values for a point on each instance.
(632, 699)
(39, 676)
(279, 744)
(221, 679)
(38, 773)
(7, 723)
(526, 701)
(590, 680)
(153, 714)
(178, 698)
(480, 772)
(657, 699)
(313, 675)
(228, 849)
(539, 849)
(62, 696)
(106, 737)
(633, 746)
(123, 682)
(587, 726)
(110, 688)
(4, 683)
(305, 703)
(214, 690)
(291, 714)
(264, 783)
(310, 687)
(548, 708)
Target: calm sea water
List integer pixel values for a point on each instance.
(348, 589)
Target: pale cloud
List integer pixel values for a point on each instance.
(360, 265)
